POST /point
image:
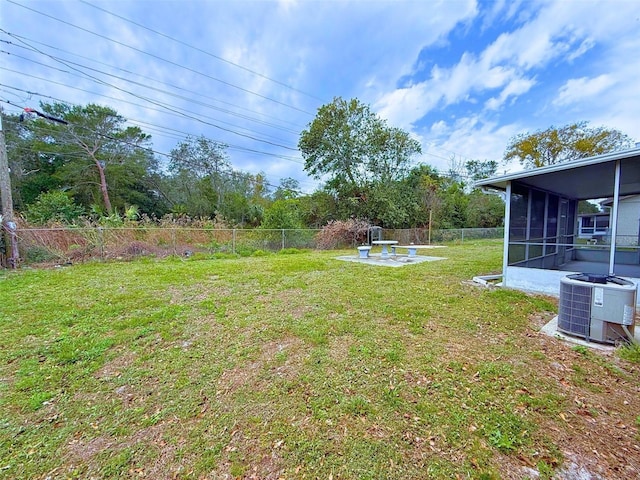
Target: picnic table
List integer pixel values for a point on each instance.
(385, 244)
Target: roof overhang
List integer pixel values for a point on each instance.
(582, 179)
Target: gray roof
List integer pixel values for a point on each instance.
(582, 179)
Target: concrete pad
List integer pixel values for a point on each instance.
(391, 260)
(551, 329)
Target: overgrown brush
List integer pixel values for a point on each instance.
(341, 233)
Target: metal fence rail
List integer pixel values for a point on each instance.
(76, 244)
(424, 236)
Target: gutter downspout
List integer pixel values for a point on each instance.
(614, 219)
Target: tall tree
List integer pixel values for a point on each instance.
(202, 173)
(94, 136)
(352, 146)
(484, 210)
(571, 142)
(288, 188)
(284, 213)
(244, 199)
(477, 170)
(32, 172)
(318, 209)
(357, 153)
(424, 185)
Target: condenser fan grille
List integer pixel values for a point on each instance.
(574, 312)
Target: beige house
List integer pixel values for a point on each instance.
(628, 219)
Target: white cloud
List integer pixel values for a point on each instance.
(584, 47)
(468, 138)
(558, 33)
(363, 49)
(515, 88)
(580, 89)
(449, 86)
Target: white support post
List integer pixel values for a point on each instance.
(505, 249)
(527, 234)
(614, 219)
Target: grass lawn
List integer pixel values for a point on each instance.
(301, 366)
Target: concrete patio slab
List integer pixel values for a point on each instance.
(551, 329)
(390, 261)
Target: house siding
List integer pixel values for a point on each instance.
(628, 221)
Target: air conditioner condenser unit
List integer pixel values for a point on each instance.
(597, 307)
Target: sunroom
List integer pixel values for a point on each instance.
(542, 241)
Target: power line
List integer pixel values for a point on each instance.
(79, 155)
(204, 51)
(230, 146)
(170, 108)
(229, 84)
(184, 136)
(440, 172)
(464, 157)
(144, 77)
(213, 107)
(138, 105)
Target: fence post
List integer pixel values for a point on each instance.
(233, 241)
(283, 239)
(12, 242)
(462, 241)
(101, 242)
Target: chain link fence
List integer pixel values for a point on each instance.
(42, 245)
(77, 244)
(422, 236)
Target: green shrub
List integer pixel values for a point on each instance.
(54, 206)
(37, 254)
(290, 251)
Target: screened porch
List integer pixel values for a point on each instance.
(542, 227)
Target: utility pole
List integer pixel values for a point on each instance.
(7, 225)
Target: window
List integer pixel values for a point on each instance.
(602, 224)
(536, 223)
(535, 226)
(519, 208)
(552, 225)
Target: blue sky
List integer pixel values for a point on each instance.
(462, 76)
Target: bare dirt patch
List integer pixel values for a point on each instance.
(83, 452)
(254, 463)
(114, 368)
(276, 358)
(597, 433)
(179, 295)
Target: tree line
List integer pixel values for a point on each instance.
(73, 163)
